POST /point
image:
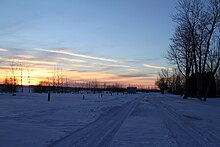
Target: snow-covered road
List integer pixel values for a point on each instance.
(164, 120)
(100, 132)
(183, 130)
(139, 120)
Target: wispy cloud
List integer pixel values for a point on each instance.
(37, 62)
(135, 75)
(3, 50)
(78, 55)
(28, 61)
(25, 56)
(111, 65)
(156, 67)
(78, 66)
(72, 60)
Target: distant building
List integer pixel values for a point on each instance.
(131, 89)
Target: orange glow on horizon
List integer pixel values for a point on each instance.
(37, 75)
(38, 71)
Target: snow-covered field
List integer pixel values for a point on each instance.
(143, 119)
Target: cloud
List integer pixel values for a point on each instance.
(141, 60)
(25, 56)
(156, 67)
(3, 50)
(78, 66)
(111, 65)
(100, 67)
(135, 75)
(78, 55)
(37, 62)
(72, 60)
(28, 61)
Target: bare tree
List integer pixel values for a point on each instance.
(58, 77)
(29, 79)
(54, 79)
(14, 70)
(218, 81)
(181, 54)
(164, 79)
(192, 47)
(213, 62)
(66, 82)
(21, 71)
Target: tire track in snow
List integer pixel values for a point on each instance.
(100, 132)
(206, 138)
(184, 133)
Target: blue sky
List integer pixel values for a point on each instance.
(134, 34)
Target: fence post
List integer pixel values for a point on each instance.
(48, 97)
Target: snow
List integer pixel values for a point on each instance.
(136, 120)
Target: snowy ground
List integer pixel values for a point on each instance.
(137, 120)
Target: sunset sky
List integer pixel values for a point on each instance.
(121, 41)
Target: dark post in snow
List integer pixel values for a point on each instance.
(101, 95)
(83, 97)
(48, 98)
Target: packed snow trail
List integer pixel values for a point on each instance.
(100, 132)
(151, 119)
(184, 132)
(156, 121)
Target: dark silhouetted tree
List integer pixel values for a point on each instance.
(195, 45)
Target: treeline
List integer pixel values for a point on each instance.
(60, 86)
(56, 82)
(17, 75)
(93, 86)
(174, 82)
(195, 45)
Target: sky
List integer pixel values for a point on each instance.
(123, 41)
